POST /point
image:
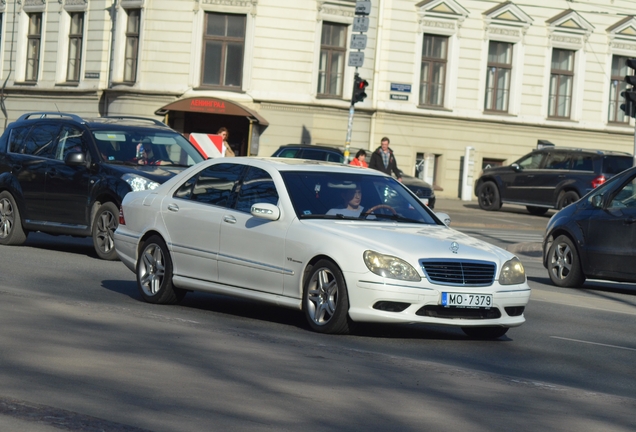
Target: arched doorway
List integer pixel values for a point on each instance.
(208, 115)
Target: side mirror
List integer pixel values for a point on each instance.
(515, 167)
(265, 211)
(75, 158)
(597, 201)
(444, 218)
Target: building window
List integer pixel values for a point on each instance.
(433, 70)
(75, 47)
(132, 45)
(223, 46)
(561, 78)
(34, 39)
(617, 86)
(498, 76)
(332, 59)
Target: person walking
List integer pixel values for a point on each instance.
(360, 159)
(383, 160)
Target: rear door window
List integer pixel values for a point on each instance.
(557, 161)
(582, 162)
(41, 140)
(215, 185)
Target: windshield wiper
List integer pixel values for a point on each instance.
(394, 217)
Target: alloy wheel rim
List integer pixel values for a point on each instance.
(106, 226)
(561, 262)
(152, 270)
(322, 296)
(6, 218)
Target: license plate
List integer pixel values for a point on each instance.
(424, 200)
(466, 300)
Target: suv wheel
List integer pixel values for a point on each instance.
(104, 226)
(567, 198)
(11, 232)
(488, 196)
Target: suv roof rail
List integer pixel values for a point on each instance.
(148, 119)
(45, 114)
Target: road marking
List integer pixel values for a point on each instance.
(594, 343)
(510, 221)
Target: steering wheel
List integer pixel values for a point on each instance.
(379, 206)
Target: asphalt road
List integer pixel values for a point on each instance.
(81, 351)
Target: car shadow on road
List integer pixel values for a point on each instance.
(593, 286)
(255, 310)
(62, 243)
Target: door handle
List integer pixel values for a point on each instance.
(630, 220)
(229, 219)
(173, 207)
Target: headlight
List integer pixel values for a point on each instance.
(139, 183)
(512, 273)
(390, 267)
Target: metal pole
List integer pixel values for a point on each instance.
(634, 160)
(350, 125)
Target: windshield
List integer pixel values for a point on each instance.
(327, 195)
(145, 147)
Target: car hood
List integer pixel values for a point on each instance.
(412, 241)
(414, 181)
(157, 173)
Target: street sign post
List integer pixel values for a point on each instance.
(356, 59)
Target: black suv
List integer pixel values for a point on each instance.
(423, 190)
(548, 178)
(62, 174)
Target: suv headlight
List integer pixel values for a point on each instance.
(390, 267)
(139, 183)
(512, 273)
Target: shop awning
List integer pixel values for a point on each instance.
(211, 105)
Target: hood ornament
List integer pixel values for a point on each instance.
(454, 247)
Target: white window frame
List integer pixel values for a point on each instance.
(119, 50)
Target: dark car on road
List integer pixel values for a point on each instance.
(66, 175)
(423, 190)
(594, 238)
(548, 178)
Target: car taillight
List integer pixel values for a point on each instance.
(598, 181)
(122, 220)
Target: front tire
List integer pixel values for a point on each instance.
(488, 196)
(485, 333)
(325, 300)
(154, 273)
(11, 231)
(567, 198)
(564, 265)
(104, 226)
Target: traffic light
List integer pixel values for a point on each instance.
(359, 84)
(629, 107)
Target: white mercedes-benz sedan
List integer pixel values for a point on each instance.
(342, 244)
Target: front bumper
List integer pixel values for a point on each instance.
(368, 300)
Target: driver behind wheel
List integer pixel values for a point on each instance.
(351, 207)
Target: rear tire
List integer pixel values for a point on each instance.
(488, 196)
(104, 225)
(567, 198)
(11, 232)
(564, 264)
(485, 333)
(537, 211)
(154, 273)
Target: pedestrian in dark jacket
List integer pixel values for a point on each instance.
(383, 160)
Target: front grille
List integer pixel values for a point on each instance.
(437, 311)
(459, 272)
